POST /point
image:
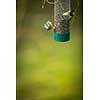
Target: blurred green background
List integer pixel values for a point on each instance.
(46, 69)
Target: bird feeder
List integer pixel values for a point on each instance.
(62, 16)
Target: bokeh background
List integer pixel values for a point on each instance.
(46, 69)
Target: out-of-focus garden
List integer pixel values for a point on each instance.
(46, 69)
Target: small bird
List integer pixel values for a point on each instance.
(69, 13)
(48, 25)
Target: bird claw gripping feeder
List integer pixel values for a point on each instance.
(62, 16)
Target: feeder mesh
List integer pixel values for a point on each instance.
(61, 22)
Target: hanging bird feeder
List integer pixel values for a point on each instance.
(62, 16)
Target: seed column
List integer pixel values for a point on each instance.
(61, 21)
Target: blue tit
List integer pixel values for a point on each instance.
(48, 25)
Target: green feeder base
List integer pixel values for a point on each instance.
(61, 37)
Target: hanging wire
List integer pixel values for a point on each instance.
(49, 2)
